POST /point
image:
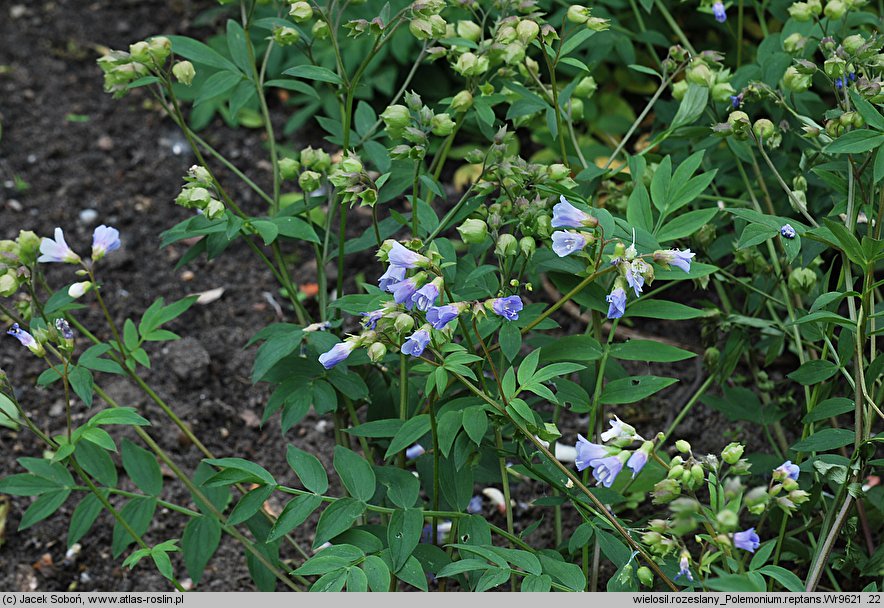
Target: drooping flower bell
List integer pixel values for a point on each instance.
(588, 452)
(619, 431)
(639, 458)
(787, 231)
(426, 296)
(616, 302)
(719, 12)
(684, 567)
(393, 275)
(675, 257)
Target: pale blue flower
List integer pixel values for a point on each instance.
(415, 344)
(719, 12)
(618, 430)
(440, 316)
(370, 319)
(21, 335)
(675, 257)
(587, 452)
(426, 296)
(475, 505)
(747, 540)
(605, 470)
(635, 277)
(403, 290)
(403, 257)
(566, 242)
(637, 462)
(787, 469)
(104, 240)
(336, 354)
(616, 303)
(787, 231)
(508, 307)
(57, 250)
(566, 215)
(684, 565)
(415, 451)
(393, 275)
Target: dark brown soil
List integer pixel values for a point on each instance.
(77, 149)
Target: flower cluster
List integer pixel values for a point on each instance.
(608, 458)
(707, 70)
(121, 68)
(415, 303)
(199, 192)
(16, 258)
(412, 124)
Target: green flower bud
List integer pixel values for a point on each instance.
(527, 246)
(505, 35)
(301, 12)
(732, 453)
(763, 129)
(794, 43)
(28, 246)
(799, 497)
(727, 520)
(214, 210)
(320, 30)
(802, 280)
(159, 48)
(403, 323)
(462, 102)
(469, 64)
(835, 9)
(472, 231)
(756, 500)
(315, 159)
(699, 73)
(376, 352)
(309, 181)
(442, 125)
(586, 87)
(834, 67)
(527, 31)
(711, 357)
(558, 171)
(577, 14)
(396, 117)
(698, 476)
(184, 72)
(597, 24)
(794, 80)
(544, 227)
(645, 576)
(683, 446)
(853, 43)
(421, 28)
(514, 53)
(506, 245)
(679, 89)
(288, 168)
(801, 11)
(438, 26)
(469, 30)
(666, 490)
(576, 108)
(675, 472)
(286, 36)
(722, 91)
(140, 51)
(8, 283)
